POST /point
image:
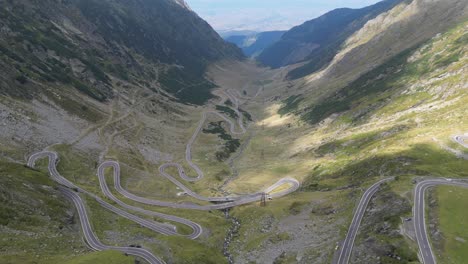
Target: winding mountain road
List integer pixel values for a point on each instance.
(196, 228)
(53, 160)
(461, 139)
(228, 202)
(67, 188)
(419, 213)
(91, 238)
(426, 253)
(188, 149)
(347, 246)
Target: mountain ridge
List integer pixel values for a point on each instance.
(130, 36)
(319, 39)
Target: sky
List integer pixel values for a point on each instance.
(265, 15)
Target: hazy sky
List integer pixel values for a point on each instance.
(261, 15)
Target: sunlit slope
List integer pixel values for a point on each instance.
(395, 121)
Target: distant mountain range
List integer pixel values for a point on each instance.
(253, 44)
(317, 41)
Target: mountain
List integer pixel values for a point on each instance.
(253, 44)
(132, 83)
(183, 4)
(79, 77)
(88, 44)
(386, 106)
(319, 39)
(228, 33)
(382, 39)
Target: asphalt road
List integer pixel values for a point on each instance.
(91, 238)
(196, 228)
(425, 250)
(461, 139)
(53, 160)
(344, 253)
(71, 191)
(188, 149)
(232, 126)
(227, 202)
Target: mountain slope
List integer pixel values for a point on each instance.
(253, 44)
(318, 40)
(378, 42)
(92, 80)
(395, 121)
(385, 106)
(81, 43)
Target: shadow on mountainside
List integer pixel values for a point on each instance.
(418, 160)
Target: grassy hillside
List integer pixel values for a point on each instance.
(452, 239)
(394, 121)
(429, 65)
(92, 46)
(326, 33)
(36, 222)
(104, 257)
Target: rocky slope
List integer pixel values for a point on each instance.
(91, 45)
(94, 79)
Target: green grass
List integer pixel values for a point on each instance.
(227, 110)
(364, 87)
(80, 109)
(34, 219)
(187, 87)
(104, 257)
(422, 160)
(230, 144)
(247, 115)
(77, 167)
(114, 230)
(452, 214)
(391, 123)
(46, 36)
(372, 90)
(290, 105)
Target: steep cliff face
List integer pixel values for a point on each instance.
(87, 43)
